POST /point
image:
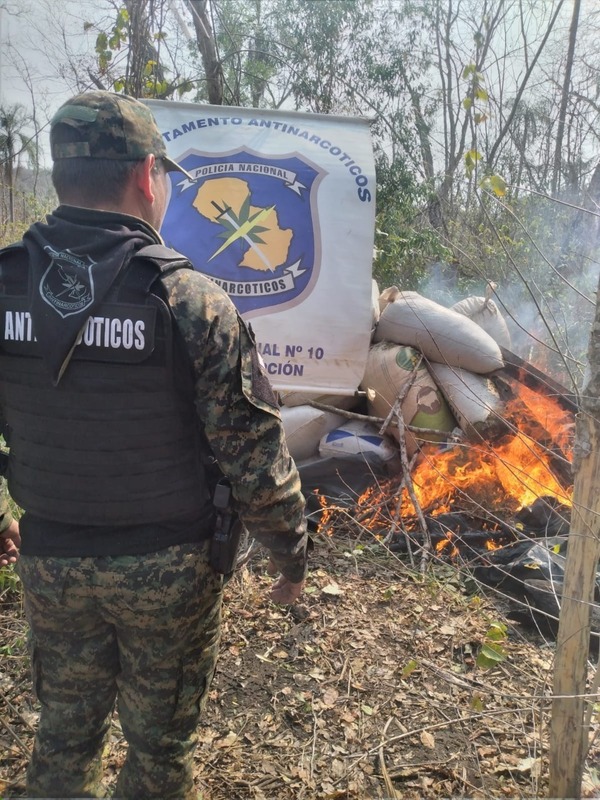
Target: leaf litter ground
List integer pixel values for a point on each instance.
(368, 688)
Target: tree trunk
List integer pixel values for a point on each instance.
(564, 100)
(205, 39)
(569, 736)
(139, 37)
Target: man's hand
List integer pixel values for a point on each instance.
(286, 592)
(10, 541)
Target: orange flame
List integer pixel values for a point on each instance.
(497, 478)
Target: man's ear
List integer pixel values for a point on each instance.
(143, 176)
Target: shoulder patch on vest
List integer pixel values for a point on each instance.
(260, 384)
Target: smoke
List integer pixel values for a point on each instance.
(545, 286)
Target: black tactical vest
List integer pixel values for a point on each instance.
(116, 442)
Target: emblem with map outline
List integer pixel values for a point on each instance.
(67, 285)
(248, 221)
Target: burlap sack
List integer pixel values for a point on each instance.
(389, 367)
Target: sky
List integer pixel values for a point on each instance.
(26, 30)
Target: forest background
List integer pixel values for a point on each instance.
(485, 122)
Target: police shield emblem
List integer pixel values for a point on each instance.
(68, 284)
(248, 221)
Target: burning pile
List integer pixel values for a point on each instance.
(452, 436)
(481, 446)
(491, 481)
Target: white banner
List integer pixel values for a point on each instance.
(281, 215)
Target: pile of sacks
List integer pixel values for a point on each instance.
(454, 351)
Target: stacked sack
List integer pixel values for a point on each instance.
(453, 351)
(451, 388)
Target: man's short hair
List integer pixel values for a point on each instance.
(79, 181)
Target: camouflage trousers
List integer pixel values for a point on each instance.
(139, 630)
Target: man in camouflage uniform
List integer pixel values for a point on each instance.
(121, 373)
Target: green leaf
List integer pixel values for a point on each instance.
(468, 70)
(119, 85)
(479, 117)
(161, 87)
(481, 94)
(186, 86)
(474, 155)
(498, 185)
(471, 159)
(467, 103)
(115, 41)
(494, 652)
(497, 631)
(101, 42)
(104, 60)
(490, 655)
(409, 668)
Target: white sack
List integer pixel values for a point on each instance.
(442, 335)
(356, 438)
(486, 314)
(473, 399)
(304, 428)
(388, 296)
(375, 312)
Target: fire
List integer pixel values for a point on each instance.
(446, 547)
(526, 464)
(550, 416)
(523, 471)
(497, 478)
(490, 544)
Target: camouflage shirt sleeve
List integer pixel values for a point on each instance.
(238, 411)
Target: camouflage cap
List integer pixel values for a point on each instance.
(107, 125)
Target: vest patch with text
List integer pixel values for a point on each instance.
(68, 283)
(118, 332)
